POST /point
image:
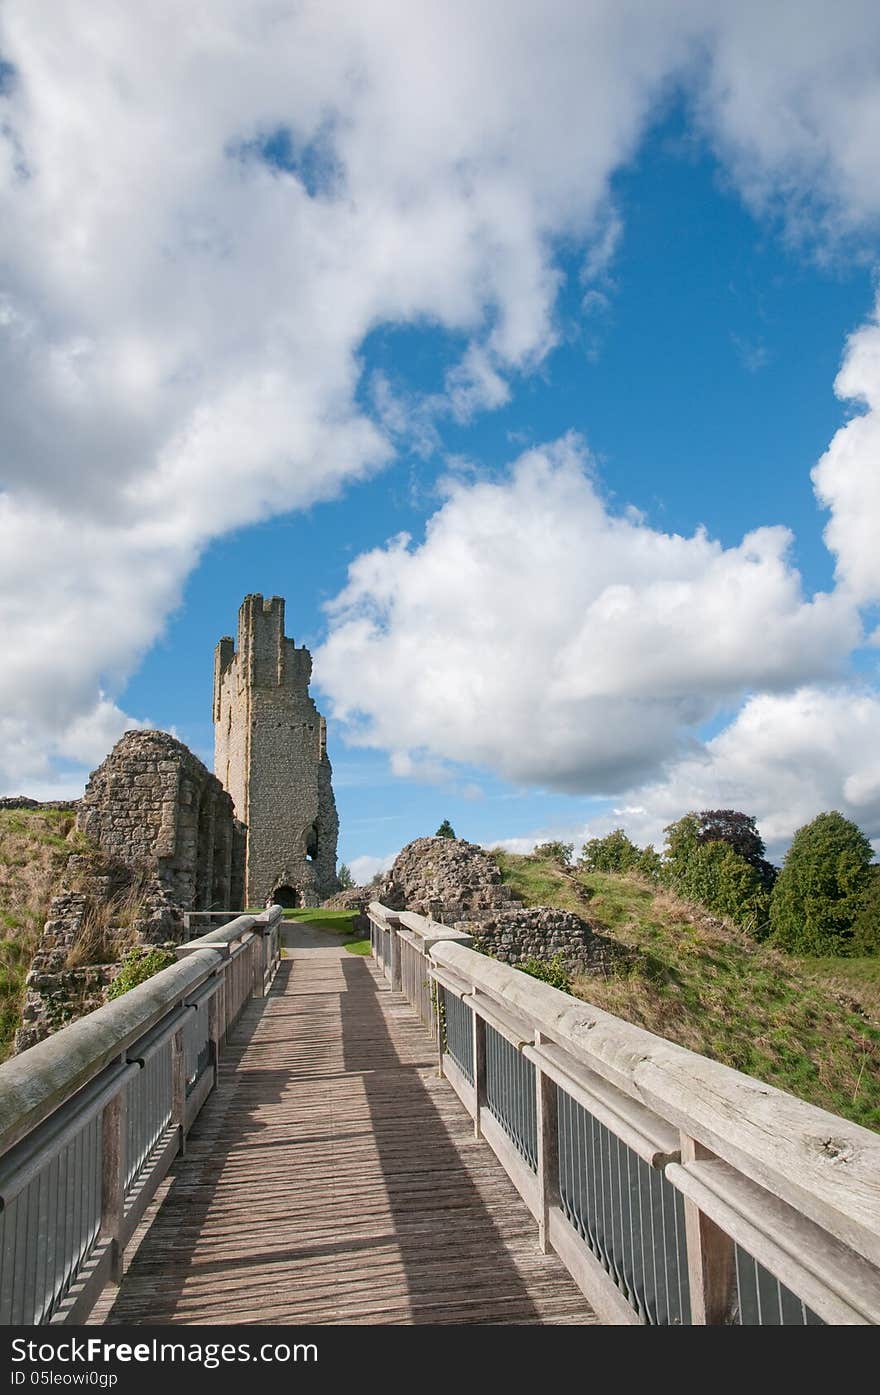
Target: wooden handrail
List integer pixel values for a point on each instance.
(132, 1074)
(674, 1189)
(821, 1164)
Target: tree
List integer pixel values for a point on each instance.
(649, 864)
(741, 832)
(823, 887)
(613, 853)
(445, 830)
(866, 926)
(555, 852)
(344, 877)
(715, 875)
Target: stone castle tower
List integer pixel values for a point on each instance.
(270, 753)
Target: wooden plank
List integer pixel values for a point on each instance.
(93, 1278)
(511, 1159)
(639, 1128)
(711, 1257)
(196, 1098)
(459, 1082)
(839, 1286)
(113, 1139)
(605, 1297)
(156, 1169)
(548, 1154)
(330, 1078)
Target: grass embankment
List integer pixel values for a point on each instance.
(34, 847)
(809, 1026)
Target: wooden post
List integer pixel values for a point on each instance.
(257, 961)
(215, 1028)
(178, 1086)
(437, 1015)
(479, 1070)
(396, 976)
(548, 1150)
(711, 1256)
(114, 1129)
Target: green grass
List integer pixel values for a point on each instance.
(338, 922)
(358, 947)
(34, 847)
(809, 1026)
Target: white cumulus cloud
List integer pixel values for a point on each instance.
(538, 634)
(204, 210)
(784, 759)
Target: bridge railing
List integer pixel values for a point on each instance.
(401, 941)
(92, 1117)
(675, 1190)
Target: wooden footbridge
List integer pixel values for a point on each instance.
(422, 1136)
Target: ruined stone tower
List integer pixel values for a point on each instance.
(270, 753)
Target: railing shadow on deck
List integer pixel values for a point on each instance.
(174, 1226)
(92, 1118)
(675, 1190)
(455, 1260)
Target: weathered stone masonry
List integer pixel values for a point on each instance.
(270, 753)
(154, 804)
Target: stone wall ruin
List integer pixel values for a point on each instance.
(154, 804)
(270, 753)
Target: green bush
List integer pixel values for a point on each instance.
(555, 852)
(138, 965)
(649, 864)
(445, 830)
(823, 888)
(344, 877)
(552, 971)
(613, 853)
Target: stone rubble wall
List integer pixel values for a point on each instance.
(542, 932)
(132, 906)
(459, 884)
(353, 898)
(445, 878)
(164, 840)
(152, 803)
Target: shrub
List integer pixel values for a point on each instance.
(138, 965)
(613, 853)
(344, 877)
(445, 830)
(822, 888)
(552, 971)
(555, 852)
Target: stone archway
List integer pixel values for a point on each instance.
(286, 896)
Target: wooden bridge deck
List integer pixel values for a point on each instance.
(334, 1178)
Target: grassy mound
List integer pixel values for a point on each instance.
(809, 1026)
(34, 847)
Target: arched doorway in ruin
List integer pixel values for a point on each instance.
(286, 896)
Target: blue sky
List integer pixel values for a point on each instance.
(548, 316)
(717, 425)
